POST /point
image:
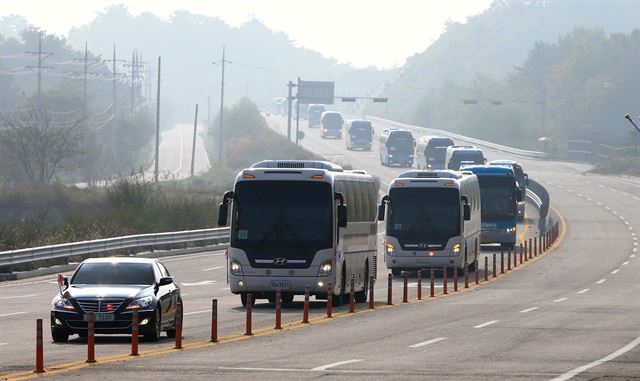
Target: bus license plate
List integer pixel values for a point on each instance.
(100, 316)
(280, 285)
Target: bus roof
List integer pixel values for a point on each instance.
(503, 162)
(489, 170)
(298, 164)
(441, 174)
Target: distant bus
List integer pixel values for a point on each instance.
(280, 106)
(432, 216)
(300, 112)
(500, 195)
(396, 147)
(457, 156)
(332, 122)
(359, 135)
(431, 152)
(314, 112)
(522, 179)
(297, 223)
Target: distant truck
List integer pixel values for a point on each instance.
(332, 122)
(463, 155)
(522, 179)
(359, 135)
(396, 147)
(431, 152)
(314, 112)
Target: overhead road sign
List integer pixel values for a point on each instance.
(318, 92)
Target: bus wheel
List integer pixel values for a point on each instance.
(243, 299)
(338, 300)
(361, 296)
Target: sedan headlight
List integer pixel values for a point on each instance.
(61, 303)
(236, 269)
(455, 250)
(140, 303)
(325, 268)
(389, 249)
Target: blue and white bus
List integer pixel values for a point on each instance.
(397, 147)
(522, 179)
(432, 216)
(500, 195)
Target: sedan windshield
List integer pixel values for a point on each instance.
(105, 273)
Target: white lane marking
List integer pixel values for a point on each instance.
(569, 190)
(26, 283)
(579, 194)
(632, 256)
(625, 263)
(598, 203)
(636, 198)
(630, 228)
(183, 257)
(432, 341)
(607, 208)
(196, 312)
(601, 281)
(574, 372)
(614, 212)
(529, 310)
(582, 291)
(12, 314)
(600, 186)
(1, 344)
(17, 297)
(203, 283)
(263, 369)
(589, 198)
(486, 324)
(615, 271)
(225, 289)
(213, 268)
(612, 190)
(333, 365)
(560, 300)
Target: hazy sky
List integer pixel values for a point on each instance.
(362, 32)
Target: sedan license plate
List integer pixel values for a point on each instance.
(280, 285)
(100, 316)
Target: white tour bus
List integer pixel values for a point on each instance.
(431, 216)
(297, 223)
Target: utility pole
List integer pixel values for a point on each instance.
(193, 147)
(290, 86)
(221, 108)
(115, 75)
(133, 79)
(544, 108)
(208, 112)
(84, 84)
(39, 65)
(298, 115)
(157, 166)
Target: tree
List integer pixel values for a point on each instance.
(39, 143)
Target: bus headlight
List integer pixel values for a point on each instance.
(236, 269)
(511, 229)
(389, 249)
(325, 268)
(455, 250)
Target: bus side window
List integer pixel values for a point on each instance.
(373, 201)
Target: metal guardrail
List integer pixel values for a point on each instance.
(14, 257)
(492, 146)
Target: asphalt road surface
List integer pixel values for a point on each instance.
(574, 311)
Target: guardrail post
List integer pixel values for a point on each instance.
(305, 312)
(444, 280)
(419, 276)
(501, 261)
(329, 299)
(390, 290)
(352, 299)
(39, 348)
(179, 317)
(214, 320)
(372, 287)
(432, 289)
(134, 333)
(91, 354)
(248, 324)
(455, 279)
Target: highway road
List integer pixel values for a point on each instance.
(569, 309)
(175, 152)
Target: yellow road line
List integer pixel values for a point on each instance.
(239, 336)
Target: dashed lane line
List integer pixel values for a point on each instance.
(615, 271)
(213, 268)
(529, 310)
(583, 291)
(333, 365)
(601, 281)
(486, 324)
(17, 297)
(196, 312)
(625, 263)
(13, 314)
(424, 343)
(560, 300)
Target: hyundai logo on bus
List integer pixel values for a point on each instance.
(280, 261)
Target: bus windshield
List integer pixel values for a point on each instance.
(498, 195)
(423, 215)
(400, 143)
(361, 131)
(287, 219)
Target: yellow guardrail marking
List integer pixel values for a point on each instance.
(238, 336)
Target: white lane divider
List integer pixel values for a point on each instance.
(560, 300)
(486, 324)
(213, 268)
(574, 372)
(601, 281)
(615, 271)
(225, 289)
(12, 314)
(529, 310)
(432, 341)
(582, 291)
(203, 283)
(1, 344)
(333, 365)
(17, 297)
(625, 263)
(196, 312)
(632, 256)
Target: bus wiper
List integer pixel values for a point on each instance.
(296, 237)
(264, 238)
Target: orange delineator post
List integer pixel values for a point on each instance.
(432, 289)
(179, 316)
(455, 279)
(214, 320)
(249, 311)
(39, 348)
(501, 262)
(494, 265)
(390, 290)
(91, 354)
(278, 310)
(371, 296)
(419, 276)
(444, 280)
(486, 269)
(352, 299)
(405, 293)
(329, 299)
(477, 272)
(134, 332)
(305, 311)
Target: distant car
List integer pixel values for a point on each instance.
(113, 288)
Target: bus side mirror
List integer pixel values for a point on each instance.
(519, 194)
(223, 212)
(467, 212)
(381, 209)
(526, 179)
(342, 216)
(484, 160)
